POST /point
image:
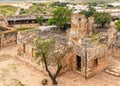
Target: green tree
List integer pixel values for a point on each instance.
(61, 17)
(118, 24)
(40, 20)
(110, 6)
(22, 11)
(92, 4)
(50, 54)
(102, 18)
(88, 13)
(59, 4)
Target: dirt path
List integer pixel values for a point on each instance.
(15, 73)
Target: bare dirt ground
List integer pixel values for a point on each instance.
(16, 73)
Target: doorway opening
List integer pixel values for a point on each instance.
(24, 48)
(78, 60)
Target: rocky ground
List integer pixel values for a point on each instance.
(16, 73)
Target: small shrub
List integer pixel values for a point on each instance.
(44, 82)
(40, 20)
(118, 25)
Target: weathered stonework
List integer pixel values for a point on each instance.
(112, 35)
(81, 26)
(8, 37)
(87, 58)
(90, 25)
(88, 55)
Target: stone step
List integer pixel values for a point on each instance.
(113, 72)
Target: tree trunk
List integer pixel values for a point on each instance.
(102, 25)
(53, 77)
(54, 81)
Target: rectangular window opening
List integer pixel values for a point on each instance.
(96, 62)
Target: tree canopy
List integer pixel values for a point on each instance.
(88, 13)
(50, 54)
(92, 4)
(102, 18)
(59, 4)
(61, 17)
(40, 20)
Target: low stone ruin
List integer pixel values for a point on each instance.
(8, 37)
(89, 54)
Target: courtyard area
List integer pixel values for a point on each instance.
(16, 73)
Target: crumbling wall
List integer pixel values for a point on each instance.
(20, 49)
(115, 51)
(112, 35)
(90, 25)
(8, 38)
(93, 70)
(68, 63)
(99, 53)
(81, 26)
(26, 51)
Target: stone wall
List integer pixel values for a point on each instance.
(27, 52)
(81, 26)
(93, 70)
(88, 55)
(115, 51)
(24, 25)
(112, 35)
(26, 44)
(68, 63)
(90, 25)
(99, 53)
(8, 38)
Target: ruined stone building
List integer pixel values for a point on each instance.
(7, 37)
(26, 44)
(86, 57)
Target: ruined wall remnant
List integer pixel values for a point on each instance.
(81, 26)
(115, 51)
(8, 37)
(92, 60)
(97, 59)
(88, 58)
(90, 25)
(112, 35)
